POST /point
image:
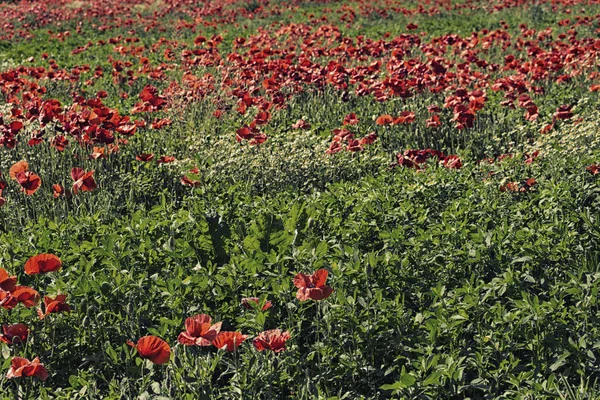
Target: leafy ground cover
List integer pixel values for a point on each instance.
(336, 200)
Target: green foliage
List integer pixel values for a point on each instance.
(444, 285)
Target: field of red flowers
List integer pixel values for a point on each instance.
(299, 200)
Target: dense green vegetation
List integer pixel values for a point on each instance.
(467, 282)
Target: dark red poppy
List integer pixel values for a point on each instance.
(312, 286)
(593, 169)
(42, 263)
(145, 157)
(152, 348)
(229, 341)
(248, 302)
(84, 181)
(20, 367)
(199, 331)
(563, 112)
(29, 181)
(54, 305)
(13, 334)
(7, 282)
(351, 119)
(59, 142)
(272, 339)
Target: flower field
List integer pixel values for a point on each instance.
(300, 199)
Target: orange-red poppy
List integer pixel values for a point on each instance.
(29, 181)
(165, 160)
(384, 120)
(42, 263)
(7, 282)
(152, 348)
(12, 334)
(98, 152)
(312, 286)
(272, 339)
(18, 167)
(229, 341)
(84, 181)
(20, 367)
(58, 190)
(27, 296)
(251, 302)
(54, 305)
(199, 331)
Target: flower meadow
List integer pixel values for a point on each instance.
(300, 200)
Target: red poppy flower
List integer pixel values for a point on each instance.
(98, 152)
(18, 167)
(354, 145)
(153, 348)
(405, 117)
(165, 160)
(351, 119)
(54, 305)
(452, 162)
(301, 124)
(16, 333)
(248, 302)
(563, 112)
(229, 341)
(25, 295)
(59, 142)
(145, 157)
(7, 300)
(84, 181)
(369, 139)
(433, 122)
(59, 190)
(7, 282)
(334, 147)
(593, 169)
(272, 339)
(199, 331)
(29, 182)
(312, 286)
(42, 263)
(20, 367)
(384, 120)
